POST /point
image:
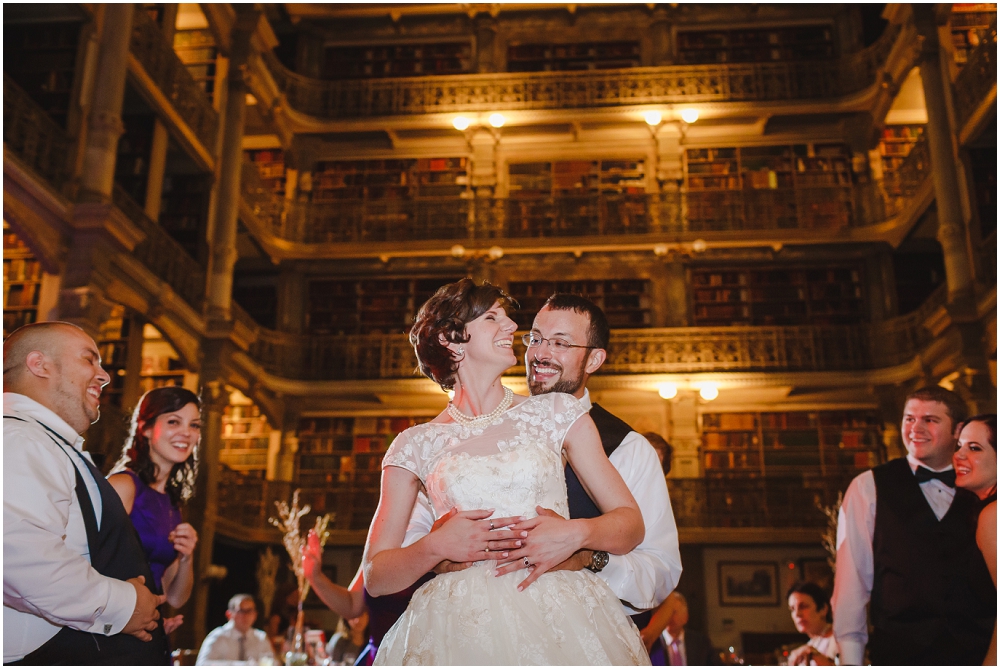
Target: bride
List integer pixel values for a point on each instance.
(495, 457)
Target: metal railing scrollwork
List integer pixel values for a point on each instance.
(161, 63)
(31, 134)
(163, 255)
(745, 82)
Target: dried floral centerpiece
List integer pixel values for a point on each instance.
(294, 541)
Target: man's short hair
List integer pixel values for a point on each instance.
(599, 333)
(236, 600)
(957, 410)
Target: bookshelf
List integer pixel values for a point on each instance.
(340, 460)
(184, 209)
(41, 58)
(270, 164)
(22, 282)
(197, 50)
(134, 149)
(824, 442)
(400, 179)
(713, 175)
(397, 60)
(372, 306)
(576, 56)
(895, 144)
(970, 23)
(246, 435)
(161, 366)
(112, 343)
(823, 295)
(626, 302)
(758, 45)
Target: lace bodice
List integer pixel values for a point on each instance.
(511, 465)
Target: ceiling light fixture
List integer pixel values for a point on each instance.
(708, 391)
(689, 115)
(667, 391)
(653, 117)
(497, 120)
(461, 122)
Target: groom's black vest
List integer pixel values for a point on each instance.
(927, 607)
(612, 430)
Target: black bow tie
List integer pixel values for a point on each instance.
(946, 477)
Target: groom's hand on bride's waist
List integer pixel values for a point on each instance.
(553, 543)
(475, 529)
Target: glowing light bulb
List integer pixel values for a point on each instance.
(667, 390)
(497, 120)
(461, 122)
(709, 392)
(653, 117)
(689, 115)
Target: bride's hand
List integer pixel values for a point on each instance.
(465, 536)
(551, 540)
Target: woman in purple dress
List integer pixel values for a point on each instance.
(154, 475)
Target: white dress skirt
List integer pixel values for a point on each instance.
(472, 617)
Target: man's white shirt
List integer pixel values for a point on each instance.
(856, 561)
(643, 578)
(222, 645)
(48, 582)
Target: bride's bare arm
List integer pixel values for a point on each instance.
(389, 568)
(617, 530)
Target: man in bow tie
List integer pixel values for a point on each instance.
(904, 537)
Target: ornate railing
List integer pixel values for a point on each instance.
(161, 63)
(750, 82)
(640, 351)
(977, 77)
(755, 502)
(31, 134)
(163, 255)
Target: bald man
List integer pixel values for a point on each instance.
(74, 572)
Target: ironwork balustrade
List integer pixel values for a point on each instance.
(170, 75)
(642, 351)
(163, 255)
(31, 135)
(730, 82)
(978, 76)
(457, 219)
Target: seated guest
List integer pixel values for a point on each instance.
(975, 463)
(237, 640)
(349, 639)
(812, 615)
(680, 647)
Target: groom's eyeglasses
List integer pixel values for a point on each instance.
(534, 339)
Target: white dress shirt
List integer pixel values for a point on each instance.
(853, 584)
(681, 648)
(48, 582)
(643, 578)
(223, 645)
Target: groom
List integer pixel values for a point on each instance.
(568, 343)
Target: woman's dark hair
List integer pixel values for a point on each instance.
(818, 595)
(446, 314)
(987, 419)
(661, 445)
(135, 455)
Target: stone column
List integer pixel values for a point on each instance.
(684, 435)
(941, 144)
(291, 299)
(157, 170)
(485, 28)
(105, 123)
(222, 257)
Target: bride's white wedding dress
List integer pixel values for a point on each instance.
(473, 617)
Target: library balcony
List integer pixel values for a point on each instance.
(760, 207)
(976, 85)
(842, 348)
(31, 135)
(170, 88)
(763, 82)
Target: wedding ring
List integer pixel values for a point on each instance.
(491, 523)
(526, 563)
(487, 548)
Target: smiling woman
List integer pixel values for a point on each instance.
(154, 475)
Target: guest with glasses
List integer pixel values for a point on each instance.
(237, 640)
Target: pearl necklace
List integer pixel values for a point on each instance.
(485, 419)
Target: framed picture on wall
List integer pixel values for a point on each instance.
(748, 584)
(818, 571)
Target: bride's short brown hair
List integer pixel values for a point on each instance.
(446, 314)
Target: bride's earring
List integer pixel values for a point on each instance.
(461, 351)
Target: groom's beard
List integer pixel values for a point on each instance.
(563, 384)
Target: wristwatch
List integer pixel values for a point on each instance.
(598, 561)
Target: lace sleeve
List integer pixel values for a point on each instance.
(401, 453)
(566, 410)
